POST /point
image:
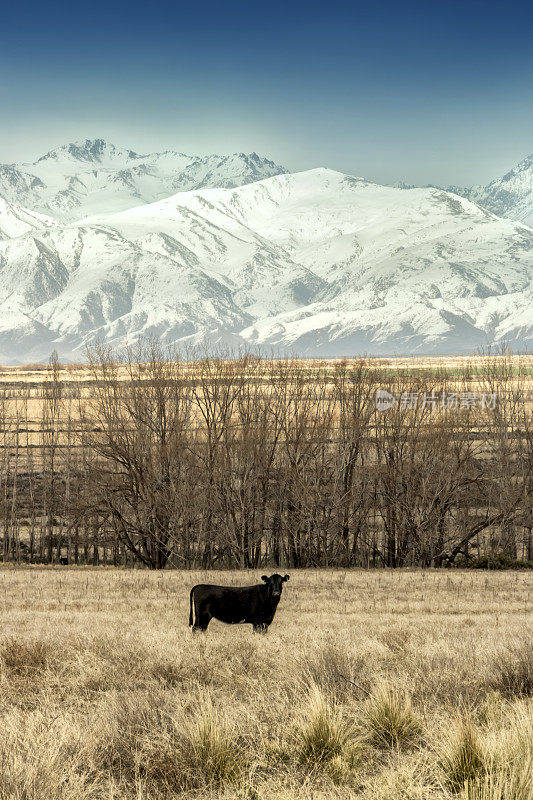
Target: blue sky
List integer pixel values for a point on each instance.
(421, 92)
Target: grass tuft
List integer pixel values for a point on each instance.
(321, 735)
(168, 748)
(209, 753)
(462, 757)
(512, 670)
(19, 658)
(512, 783)
(390, 717)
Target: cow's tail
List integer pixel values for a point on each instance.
(190, 607)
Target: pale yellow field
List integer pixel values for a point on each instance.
(38, 373)
(375, 684)
(23, 388)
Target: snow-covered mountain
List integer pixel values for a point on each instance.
(510, 196)
(15, 221)
(315, 263)
(95, 177)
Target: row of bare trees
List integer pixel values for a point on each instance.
(243, 462)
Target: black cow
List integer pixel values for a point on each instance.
(254, 604)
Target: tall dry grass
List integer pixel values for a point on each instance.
(382, 685)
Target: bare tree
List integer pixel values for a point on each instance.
(135, 426)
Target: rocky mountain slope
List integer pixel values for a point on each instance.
(315, 263)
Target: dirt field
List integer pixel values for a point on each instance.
(377, 684)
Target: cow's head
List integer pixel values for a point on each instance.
(275, 584)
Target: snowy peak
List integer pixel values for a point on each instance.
(524, 167)
(510, 196)
(225, 171)
(89, 151)
(93, 176)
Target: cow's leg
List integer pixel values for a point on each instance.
(201, 622)
(261, 627)
(202, 617)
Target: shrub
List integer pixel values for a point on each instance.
(493, 561)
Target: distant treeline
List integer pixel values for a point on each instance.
(251, 462)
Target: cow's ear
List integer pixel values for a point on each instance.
(264, 578)
(285, 577)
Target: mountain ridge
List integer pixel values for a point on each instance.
(92, 176)
(316, 262)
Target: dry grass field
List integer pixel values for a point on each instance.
(383, 685)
